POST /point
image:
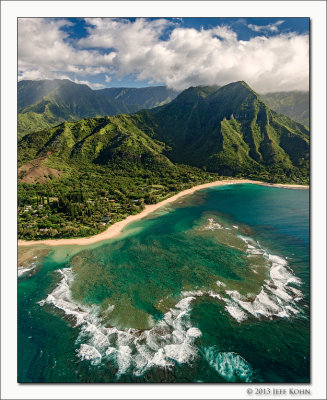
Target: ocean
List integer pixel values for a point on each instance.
(214, 287)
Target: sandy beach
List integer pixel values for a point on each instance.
(115, 229)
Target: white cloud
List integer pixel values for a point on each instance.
(266, 28)
(44, 51)
(90, 84)
(184, 57)
(224, 32)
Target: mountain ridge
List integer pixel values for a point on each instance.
(294, 104)
(47, 103)
(141, 98)
(232, 108)
(228, 130)
(60, 101)
(77, 177)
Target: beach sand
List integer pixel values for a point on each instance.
(115, 229)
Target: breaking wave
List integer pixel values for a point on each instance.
(173, 339)
(170, 341)
(229, 365)
(22, 271)
(212, 225)
(277, 298)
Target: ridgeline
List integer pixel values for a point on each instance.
(77, 178)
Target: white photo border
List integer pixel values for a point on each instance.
(10, 11)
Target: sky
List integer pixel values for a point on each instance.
(270, 54)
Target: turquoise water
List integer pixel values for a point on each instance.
(212, 288)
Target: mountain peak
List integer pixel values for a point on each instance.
(239, 85)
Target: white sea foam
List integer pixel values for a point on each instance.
(124, 359)
(23, 271)
(297, 292)
(214, 295)
(212, 225)
(275, 299)
(229, 365)
(170, 340)
(61, 298)
(173, 339)
(194, 332)
(253, 248)
(236, 312)
(89, 353)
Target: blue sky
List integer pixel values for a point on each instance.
(240, 25)
(269, 53)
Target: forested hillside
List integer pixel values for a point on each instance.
(295, 105)
(77, 178)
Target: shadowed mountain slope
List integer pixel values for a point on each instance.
(141, 98)
(228, 130)
(46, 103)
(43, 104)
(293, 104)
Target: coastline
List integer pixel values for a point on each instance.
(115, 229)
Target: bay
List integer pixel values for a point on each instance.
(212, 288)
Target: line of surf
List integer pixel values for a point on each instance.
(115, 229)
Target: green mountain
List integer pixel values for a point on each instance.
(231, 131)
(47, 103)
(228, 130)
(115, 140)
(141, 98)
(30, 92)
(76, 169)
(77, 178)
(295, 105)
(43, 104)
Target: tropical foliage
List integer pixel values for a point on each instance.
(293, 104)
(77, 178)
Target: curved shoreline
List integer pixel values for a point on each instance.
(115, 229)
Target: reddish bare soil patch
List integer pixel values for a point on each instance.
(36, 172)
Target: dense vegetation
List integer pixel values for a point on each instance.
(47, 103)
(88, 200)
(43, 104)
(230, 130)
(110, 167)
(293, 104)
